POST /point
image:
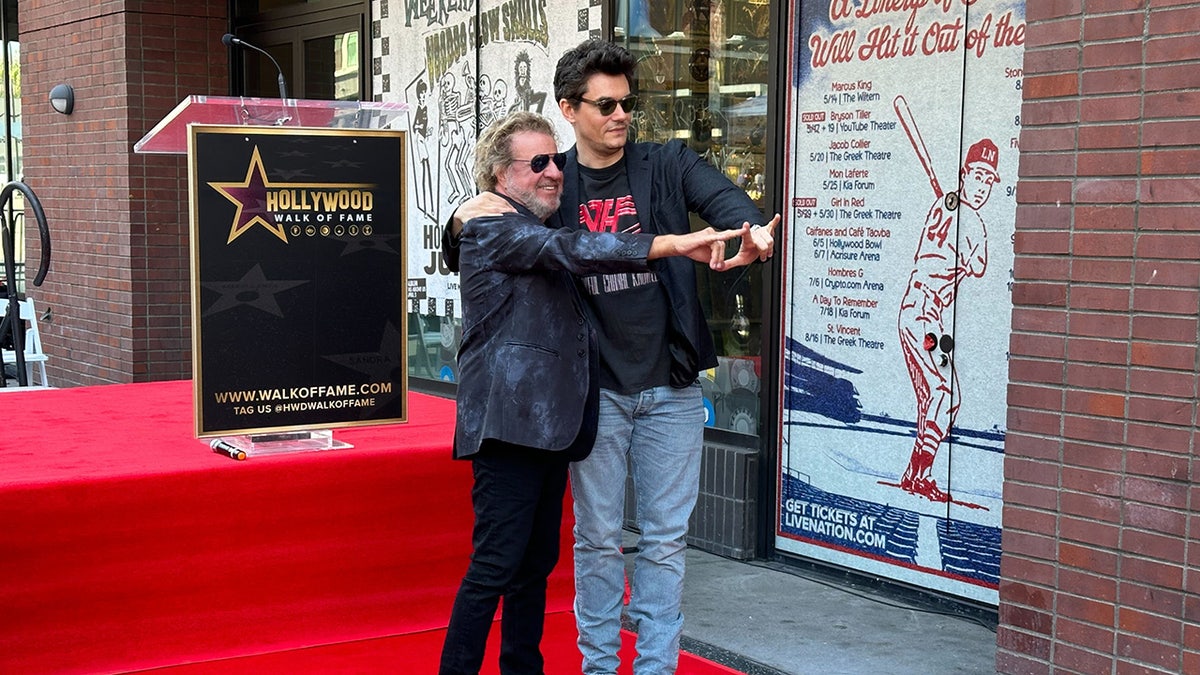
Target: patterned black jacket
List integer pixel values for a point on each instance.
(528, 355)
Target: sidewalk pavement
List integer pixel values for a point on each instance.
(772, 618)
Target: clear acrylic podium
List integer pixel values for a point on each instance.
(170, 136)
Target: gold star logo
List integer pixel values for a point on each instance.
(250, 196)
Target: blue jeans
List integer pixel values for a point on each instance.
(659, 432)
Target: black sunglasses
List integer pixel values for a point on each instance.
(608, 106)
(538, 163)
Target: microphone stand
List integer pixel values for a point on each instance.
(231, 40)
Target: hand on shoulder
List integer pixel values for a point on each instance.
(482, 204)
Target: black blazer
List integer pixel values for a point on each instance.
(669, 181)
(528, 353)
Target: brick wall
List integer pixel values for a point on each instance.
(118, 287)
(1101, 567)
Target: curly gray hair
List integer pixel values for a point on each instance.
(493, 150)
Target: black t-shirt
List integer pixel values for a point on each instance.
(629, 310)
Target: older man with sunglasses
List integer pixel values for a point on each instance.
(528, 393)
(653, 340)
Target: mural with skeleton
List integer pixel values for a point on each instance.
(461, 64)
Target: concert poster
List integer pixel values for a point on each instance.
(903, 126)
(298, 278)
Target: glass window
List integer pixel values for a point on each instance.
(11, 165)
(262, 79)
(702, 77)
(252, 7)
(433, 346)
(331, 69)
(318, 46)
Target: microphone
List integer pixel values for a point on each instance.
(228, 449)
(229, 39)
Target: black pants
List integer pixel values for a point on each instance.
(517, 496)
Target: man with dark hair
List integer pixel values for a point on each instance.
(528, 393)
(653, 340)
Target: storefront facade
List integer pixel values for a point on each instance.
(704, 73)
(946, 379)
(818, 131)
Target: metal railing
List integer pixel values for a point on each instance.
(10, 325)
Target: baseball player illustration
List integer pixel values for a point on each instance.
(944, 258)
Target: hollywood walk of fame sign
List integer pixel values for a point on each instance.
(298, 278)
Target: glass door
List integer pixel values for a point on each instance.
(703, 71)
(11, 131)
(319, 46)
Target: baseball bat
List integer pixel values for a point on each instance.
(914, 136)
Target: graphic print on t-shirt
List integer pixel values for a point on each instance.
(628, 311)
(604, 215)
(613, 215)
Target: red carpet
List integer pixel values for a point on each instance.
(418, 653)
(128, 545)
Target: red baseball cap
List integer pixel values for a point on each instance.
(984, 152)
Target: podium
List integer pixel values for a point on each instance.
(170, 135)
(298, 265)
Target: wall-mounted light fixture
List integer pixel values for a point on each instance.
(62, 98)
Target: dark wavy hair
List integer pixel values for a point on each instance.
(587, 59)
